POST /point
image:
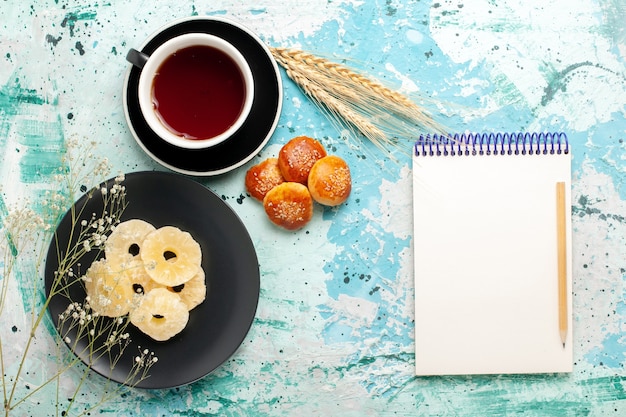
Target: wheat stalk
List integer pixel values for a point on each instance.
(333, 70)
(358, 102)
(337, 109)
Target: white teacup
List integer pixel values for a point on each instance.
(208, 106)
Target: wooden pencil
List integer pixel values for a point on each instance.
(562, 259)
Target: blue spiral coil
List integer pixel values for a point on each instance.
(466, 144)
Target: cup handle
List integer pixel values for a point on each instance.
(137, 58)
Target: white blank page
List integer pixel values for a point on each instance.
(486, 288)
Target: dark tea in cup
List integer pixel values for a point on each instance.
(195, 90)
(198, 92)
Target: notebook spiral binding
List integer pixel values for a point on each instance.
(471, 144)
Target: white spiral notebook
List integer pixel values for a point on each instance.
(492, 244)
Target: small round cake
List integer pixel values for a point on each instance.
(297, 156)
(289, 205)
(329, 181)
(263, 177)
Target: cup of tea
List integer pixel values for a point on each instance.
(195, 90)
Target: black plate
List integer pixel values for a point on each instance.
(216, 327)
(250, 138)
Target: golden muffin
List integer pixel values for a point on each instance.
(297, 156)
(263, 177)
(330, 182)
(289, 205)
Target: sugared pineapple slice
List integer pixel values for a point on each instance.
(126, 240)
(192, 292)
(136, 272)
(171, 256)
(161, 314)
(109, 290)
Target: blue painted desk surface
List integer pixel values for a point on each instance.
(333, 333)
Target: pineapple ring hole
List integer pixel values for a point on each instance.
(170, 256)
(176, 288)
(133, 249)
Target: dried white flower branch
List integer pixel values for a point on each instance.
(24, 235)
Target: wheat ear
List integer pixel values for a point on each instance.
(337, 109)
(292, 57)
(389, 114)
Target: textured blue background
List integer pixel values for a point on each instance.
(333, 334)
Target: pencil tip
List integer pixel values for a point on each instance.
(563, 345)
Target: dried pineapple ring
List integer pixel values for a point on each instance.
(171, 256)
(126, 240)
(192, 292)
(109, 290)
(136, 272)
(161, 314)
